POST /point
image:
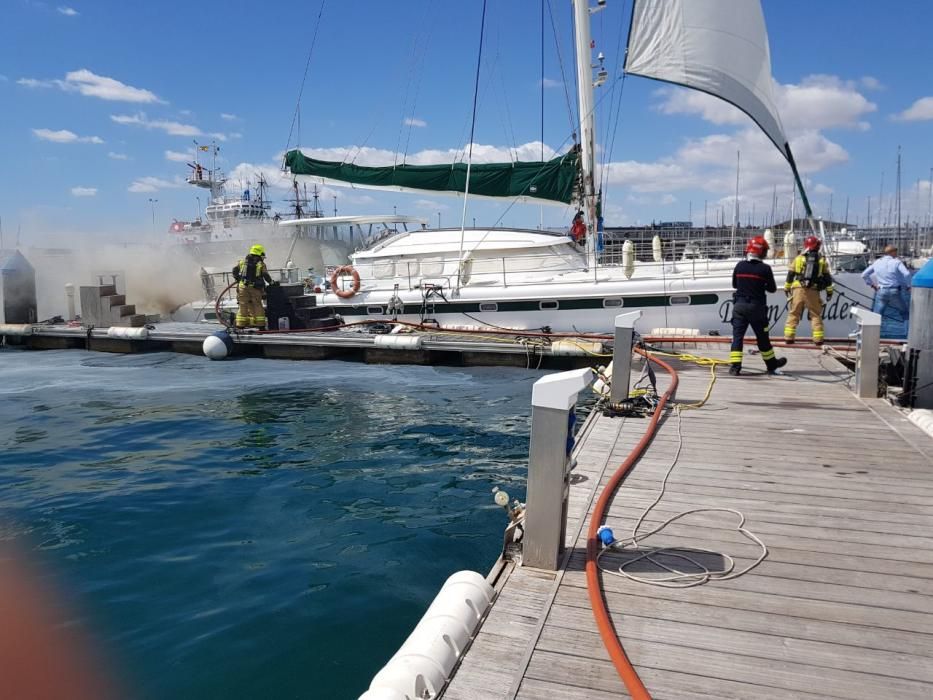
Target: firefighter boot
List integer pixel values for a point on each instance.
(775, 363)
(735, 370)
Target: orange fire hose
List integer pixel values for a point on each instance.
(606, 629)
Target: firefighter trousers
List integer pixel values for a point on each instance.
(250, 311)
(809, 298)
(744, 314)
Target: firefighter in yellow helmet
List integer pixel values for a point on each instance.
(252, 276)
(807, 277)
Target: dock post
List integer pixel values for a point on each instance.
(622, 355)
(918, 382)
(553, 402)
(867, 348)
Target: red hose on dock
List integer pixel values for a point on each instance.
(606, 629)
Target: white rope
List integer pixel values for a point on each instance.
(677, 578)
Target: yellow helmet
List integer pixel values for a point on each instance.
(257, 250)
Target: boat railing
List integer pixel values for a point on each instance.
(569, 268)
(212, 283)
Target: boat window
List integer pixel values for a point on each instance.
(548, 305)
(210, 316)
(611, 303)
(680, 300)
(490, 306)
(374, 311)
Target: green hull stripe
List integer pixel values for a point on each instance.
(434, 307)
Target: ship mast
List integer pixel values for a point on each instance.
(586, 106)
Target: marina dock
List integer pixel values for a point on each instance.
(840, 490)
(427, 347)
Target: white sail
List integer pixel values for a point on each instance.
(717, 46)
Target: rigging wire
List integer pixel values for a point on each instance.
(563, 76)
(466, 185)
(615, 108)
(415, 70)
(296, 118)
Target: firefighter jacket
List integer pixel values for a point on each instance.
(252, 272)
(752, 279)
(810, 271)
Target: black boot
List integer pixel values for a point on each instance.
(775, 364)
(735, 370)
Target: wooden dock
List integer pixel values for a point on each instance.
(839, 489)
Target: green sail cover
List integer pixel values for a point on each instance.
(553, 180)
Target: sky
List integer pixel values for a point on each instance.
(101, 102)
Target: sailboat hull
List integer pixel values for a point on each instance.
(704, 305)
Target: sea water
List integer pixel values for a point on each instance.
(253, 528)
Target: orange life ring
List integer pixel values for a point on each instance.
(345, 270)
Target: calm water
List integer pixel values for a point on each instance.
(254, 528)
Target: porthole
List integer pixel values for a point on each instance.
(490, 306)
(680, 300)
(374, 311)
(548, 305)
(611, 303)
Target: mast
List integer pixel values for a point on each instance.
(735, 209)
(585, 103)
(898, 192)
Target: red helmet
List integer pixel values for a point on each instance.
(811, 243)
(757, 246)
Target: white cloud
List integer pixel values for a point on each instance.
(411, 121)
(153, 184)
(870, 83)
(920, 110)
(549, 83)
(34, 83)
(118, 156)
(65, 136)
(177, 157)
(169, 127)
(84, 191)
(68, 11)
(817, 102)
(90, 84)
(228, 117)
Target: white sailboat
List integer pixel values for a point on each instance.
(528, 279)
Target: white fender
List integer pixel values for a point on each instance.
(628, 259)
(15, 329)
(769, 237)
(125, 333)
(790, 246)
(424, 662)
(656, 249)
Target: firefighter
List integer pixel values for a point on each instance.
(752, 279)
(252, 277)
(807, 277)
(578, 229)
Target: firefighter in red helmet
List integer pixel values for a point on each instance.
(752, 279)
(807, 277)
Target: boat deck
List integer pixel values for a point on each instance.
(839, 489)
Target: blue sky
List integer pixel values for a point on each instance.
(100, 102)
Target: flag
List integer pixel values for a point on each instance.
(204, 148)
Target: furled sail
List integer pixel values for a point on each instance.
(719, 47)
(554, 180)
